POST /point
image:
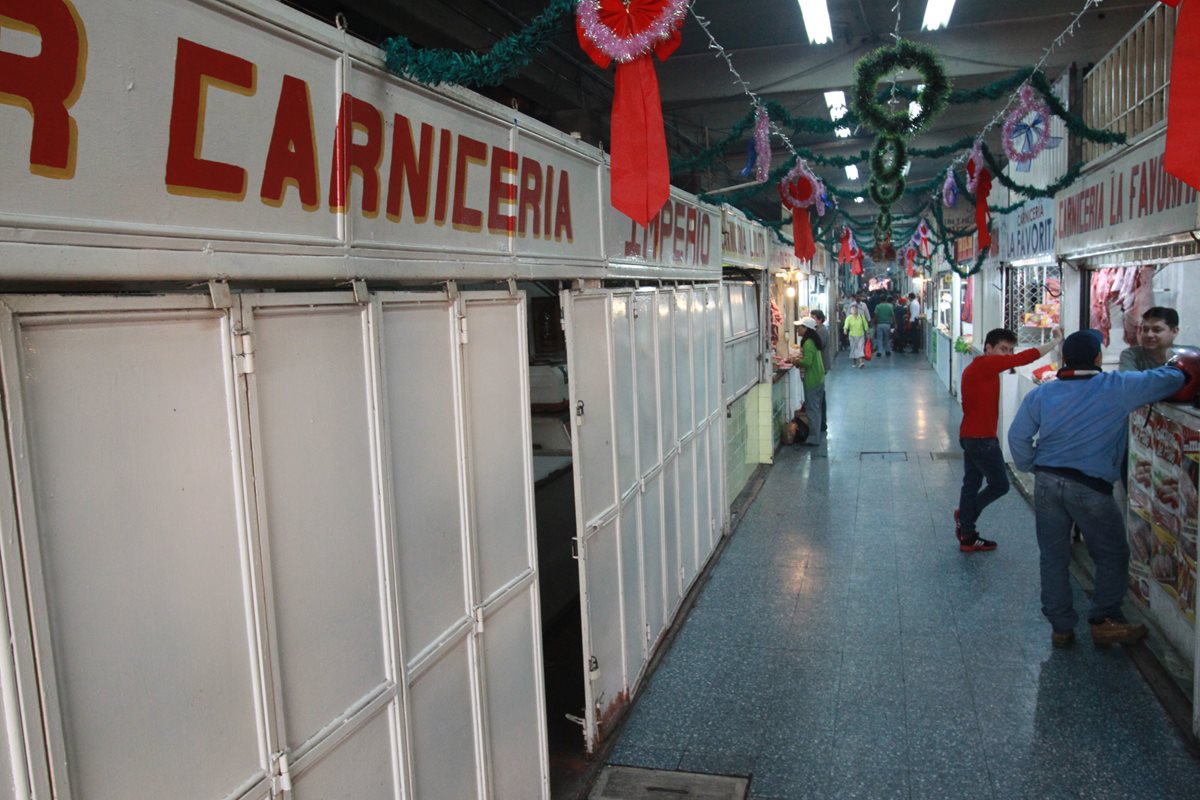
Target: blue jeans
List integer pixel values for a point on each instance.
(814, 405)
(1058, 502)
(982, 458)
(883, 338)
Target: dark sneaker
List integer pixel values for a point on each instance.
(974, 543)
(1115, 631)
(1062, 638)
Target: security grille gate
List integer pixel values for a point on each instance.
(645, 393)
(1024, 289)
(280, 550)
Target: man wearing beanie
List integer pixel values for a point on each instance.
(1080, 423)
(982, 456)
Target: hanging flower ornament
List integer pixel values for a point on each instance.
(628, 32)
(1025, 140)
(801, 190)
(975, 165)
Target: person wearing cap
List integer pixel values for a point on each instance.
(982, 456)
(814, 380)
(1079, 422)
(823, 332)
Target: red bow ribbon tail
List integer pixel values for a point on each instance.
(983, 187)
(857, 269)
(1183, 105)
(805, 247)
(640, 175)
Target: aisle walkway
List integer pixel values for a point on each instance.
(844, 648)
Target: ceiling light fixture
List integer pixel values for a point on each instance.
(816, 20)
(914, 108)
(858, 199)
(852, 172)
(937, 14)
(836, 101)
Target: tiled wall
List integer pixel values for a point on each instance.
(751, 435)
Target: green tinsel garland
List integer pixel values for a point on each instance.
(888, 157)
(506, 58)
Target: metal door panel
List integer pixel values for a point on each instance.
(624, 412)
(700, 345)
(654, 592)
(717, 475)
(315, 471)
(421, 339)
(687, 510)
(590, 383)
(704, 537)
(713, 334)
(513, 677)
(605, 634)
(646, 356)
(497, 409)
(139, 606)
(683, 361)
(443, 728)
(672, 557)
(666, 369)
(360, 768)
(632, 583)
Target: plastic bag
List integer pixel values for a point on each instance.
(867, 350)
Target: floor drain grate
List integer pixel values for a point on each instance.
(946, 455)
(882, 455)
(635, 783)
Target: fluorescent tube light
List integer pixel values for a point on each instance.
(937, 14)
(914, 108)
(836, 101)
(852, 172)
(816, 21)
(858, 199)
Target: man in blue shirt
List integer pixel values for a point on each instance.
(1080, 423)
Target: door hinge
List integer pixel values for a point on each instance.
(579, 412)
(281, 776)
(462, 330)
(593, 668)
(479, 620)
(243, 352)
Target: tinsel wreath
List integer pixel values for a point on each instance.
(799, 191)
(1027, 130)
(627, 32)
(880, 63)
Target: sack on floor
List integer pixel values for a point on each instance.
(800, 421)
(867, 350)
(789, 432)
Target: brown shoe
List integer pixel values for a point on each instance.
(1062, 638)
(1111, 631)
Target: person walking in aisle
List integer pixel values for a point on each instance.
(982, 456)
(914, 322)
(856, 328)
(826, 359)
(814, 380)
(1080, 423)
(884, 313)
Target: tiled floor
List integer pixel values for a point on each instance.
(844, 648)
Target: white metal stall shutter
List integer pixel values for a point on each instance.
(644, 385)
(143, 678)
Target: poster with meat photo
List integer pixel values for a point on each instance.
(1189, 493)
(1165, 476)
(1141, 544)
(1141, 459)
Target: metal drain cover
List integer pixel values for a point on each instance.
(635, 783)
(882, 455)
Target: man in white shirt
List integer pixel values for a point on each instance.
(913, 337)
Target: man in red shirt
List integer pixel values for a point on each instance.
(982, 456)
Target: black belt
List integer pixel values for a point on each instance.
(1090, 481)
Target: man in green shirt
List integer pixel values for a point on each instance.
(884, 313)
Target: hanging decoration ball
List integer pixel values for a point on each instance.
(762, 144)
(878, 64)
(1025, 140)
(627, 31)
(950, 189)
(888, 157)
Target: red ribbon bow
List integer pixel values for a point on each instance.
(983, 187)
(640, 175)
(1183, 135)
